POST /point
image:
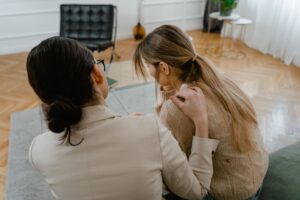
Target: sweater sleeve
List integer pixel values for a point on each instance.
(188, 179)
(182, 127)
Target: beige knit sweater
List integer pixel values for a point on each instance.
(236, 176)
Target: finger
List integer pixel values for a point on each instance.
(137, 114)
(177, 101)
(183, 87)
(182, 96)
(197, 89)
(189, 92)
(183, 93)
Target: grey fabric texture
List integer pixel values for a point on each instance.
(283, 177)
(23, 182)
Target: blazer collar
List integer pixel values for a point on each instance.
(96, 113)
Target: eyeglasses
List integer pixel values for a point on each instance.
(101, 64)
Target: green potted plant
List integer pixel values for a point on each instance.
(226, 6)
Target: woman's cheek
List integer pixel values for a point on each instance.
(152, 71)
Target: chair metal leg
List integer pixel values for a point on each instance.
(113, 53)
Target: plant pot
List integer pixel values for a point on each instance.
(225, 10)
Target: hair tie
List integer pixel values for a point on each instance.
(195, 57)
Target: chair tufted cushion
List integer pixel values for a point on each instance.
(89, 24)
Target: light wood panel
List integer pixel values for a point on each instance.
(272, 86)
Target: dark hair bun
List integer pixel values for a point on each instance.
(62, 114)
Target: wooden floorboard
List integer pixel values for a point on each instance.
(272, 86)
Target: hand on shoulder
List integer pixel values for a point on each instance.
(191, 101)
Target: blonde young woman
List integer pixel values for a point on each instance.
(240, 161)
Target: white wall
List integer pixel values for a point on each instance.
(24, 23)
(187, 14)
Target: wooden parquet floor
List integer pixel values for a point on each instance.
(272, 86)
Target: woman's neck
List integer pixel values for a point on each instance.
(97, 100)
(177, 85)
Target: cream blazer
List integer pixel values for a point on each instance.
(124, 158)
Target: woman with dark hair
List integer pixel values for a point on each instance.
(91, 152)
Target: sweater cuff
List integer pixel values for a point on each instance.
(201, 155)
(204, 145)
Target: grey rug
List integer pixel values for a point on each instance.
(23, 182)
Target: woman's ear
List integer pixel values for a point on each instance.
(97, 75)
(99, 80)
(164, 68)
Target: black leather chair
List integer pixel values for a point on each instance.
(95, 26)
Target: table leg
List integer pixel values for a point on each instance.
(209, 19)
(209, 24)
(243, 32)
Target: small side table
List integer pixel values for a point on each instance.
(236, 30)
(220, 50)
(243, 23)
(226, 19)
